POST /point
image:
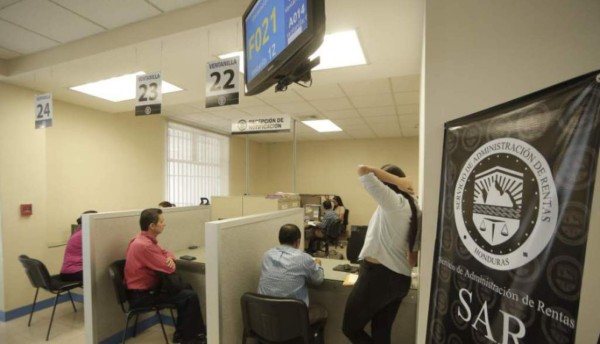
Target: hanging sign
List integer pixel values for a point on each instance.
(43, 111)
(261, 125)
(515, 203)
(222, 82)
(148, 94)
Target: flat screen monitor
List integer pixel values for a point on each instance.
(312, 212)
(279, 36)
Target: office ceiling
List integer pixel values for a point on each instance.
(51, 45)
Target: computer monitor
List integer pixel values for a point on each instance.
(312, 212)
(355, 242)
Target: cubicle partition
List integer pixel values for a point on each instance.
(234, 252)
(105, 239)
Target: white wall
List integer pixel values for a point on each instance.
(482, 53)
(87, 160)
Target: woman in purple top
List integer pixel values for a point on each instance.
(72, 268)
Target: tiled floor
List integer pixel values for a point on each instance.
(68, 328)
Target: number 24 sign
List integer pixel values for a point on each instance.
(43, 110)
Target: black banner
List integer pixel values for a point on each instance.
(515, 201)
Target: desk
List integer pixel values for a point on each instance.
(332, 295)
(193, 272)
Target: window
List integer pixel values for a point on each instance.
(197, 165)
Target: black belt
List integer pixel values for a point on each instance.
(140, 292)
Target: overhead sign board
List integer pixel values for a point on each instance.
(148, 94)
(261, 125)
(222, 82)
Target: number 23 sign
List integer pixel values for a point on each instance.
(148, 94)
(222, 80)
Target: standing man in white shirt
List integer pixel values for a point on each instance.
(385, 271)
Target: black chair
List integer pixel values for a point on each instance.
(345, 220)
(355, 242)
(40, 278)
(116, 272)
(273, 320)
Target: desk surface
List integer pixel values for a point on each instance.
(330, 274)
(199, 253)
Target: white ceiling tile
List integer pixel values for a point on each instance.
(295, 108)
(366, 87)
(387, 131)
(246, 102)
(49, 20)
(407, 109)
(320, 92)
(179, 109)
(373, 100)
(275, 98)
(262, 111)
(342, 114)
(170, 5)
(103, 12)
(331, 104)
(6, 3)
(406, 98)
(350, 122)
(6, 54)
(383, 121)
(22, 41)
(405, 83)
(410, 132)
(226, 112)
(362, 134)
(408, 118)
(378, 111)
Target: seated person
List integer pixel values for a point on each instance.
(286, 272)
(72, 268)
(144, 258)
(338, 206)
(322, 229)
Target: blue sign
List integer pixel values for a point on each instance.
(270, 27)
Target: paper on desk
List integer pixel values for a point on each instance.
(350, 279)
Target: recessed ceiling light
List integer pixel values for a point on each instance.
(322, 125)
(340, 49)
(119, 88)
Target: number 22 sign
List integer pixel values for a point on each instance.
(222, 80)
(148, 94)
(43, 110)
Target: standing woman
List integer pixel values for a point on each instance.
(385, 271)
(338, 206)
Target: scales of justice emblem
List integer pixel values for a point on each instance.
(497, 202)
(505, 203)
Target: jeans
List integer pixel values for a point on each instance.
(375, 297)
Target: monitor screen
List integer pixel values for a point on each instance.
(279, 36)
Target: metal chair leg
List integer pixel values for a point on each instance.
(125, 330)
(33, 306)
(135, 325)
(52, 317)
(73, 303)
(162, 326)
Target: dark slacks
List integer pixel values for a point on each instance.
(189, 316)
(375, 297)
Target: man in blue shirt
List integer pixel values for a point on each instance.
(286, 272)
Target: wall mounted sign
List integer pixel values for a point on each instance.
(515, 203)
(261, 125)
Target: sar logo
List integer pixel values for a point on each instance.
(505, 204)
(242, 125)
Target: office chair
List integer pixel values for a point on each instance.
(355, 242)
(40, 278)
(333, 234)
(346, 215)
(273, 319)
(116, 272)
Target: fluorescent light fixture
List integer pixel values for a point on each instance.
(340, 49)
(119, 88)
(239, 54)
(322, 125)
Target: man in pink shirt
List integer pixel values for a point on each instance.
(72, 268)
(144, 258)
